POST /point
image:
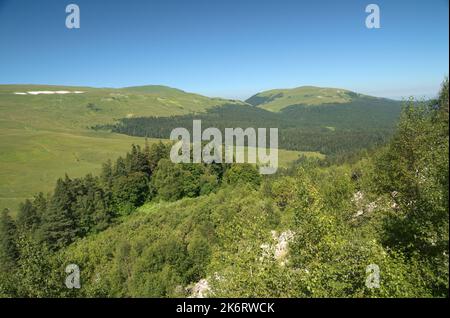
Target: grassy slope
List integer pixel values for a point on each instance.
(42, 137)
(66, 112)
(278, 99)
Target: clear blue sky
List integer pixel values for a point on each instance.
(228, 48)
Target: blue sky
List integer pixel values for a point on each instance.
(228, 48)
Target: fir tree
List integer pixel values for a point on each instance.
(8, 248)
(59, 222)
(27, 218)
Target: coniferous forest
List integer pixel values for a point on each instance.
(147, 227)
(332, 129)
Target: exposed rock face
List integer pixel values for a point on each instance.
(199, 289)
(361, 204)
(366, 207)
(280, 248)
(358, 199)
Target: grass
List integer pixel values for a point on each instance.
(43, 137)
(31, 161)
(278, 99)
(95, 106)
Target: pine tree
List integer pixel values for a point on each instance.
(40, 204)
(27, 218)
(59, 222)
(92, 207)
(102, 215)
(137, 161)
(158, 151)
(8, 248)
(107, 173)
(147, 149)
(120, 169)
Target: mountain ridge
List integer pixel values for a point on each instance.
(317, 94)
(280, 99)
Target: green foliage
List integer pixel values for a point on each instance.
(8, 248)
(28, 217)
(175, 181)
(91, 206)
(150, 228)
(242, 173)
(39, 272)
(59, 222)
(130, 192)
(168, 179)
(414, 169)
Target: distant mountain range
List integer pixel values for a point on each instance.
(273, 100)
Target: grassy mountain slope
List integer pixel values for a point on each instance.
(279, 99)
(94, 106)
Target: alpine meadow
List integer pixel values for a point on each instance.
(93, 204)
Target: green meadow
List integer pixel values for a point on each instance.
(277, 99)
